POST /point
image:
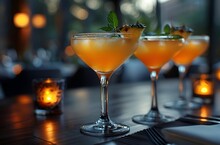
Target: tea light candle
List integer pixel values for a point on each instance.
(49, 93)
(203, 87)
(217, 73)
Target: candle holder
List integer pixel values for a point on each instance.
(203, 88)
(217, 74)
(48, 96)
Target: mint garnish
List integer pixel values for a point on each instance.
(167, 29)
(112, 22)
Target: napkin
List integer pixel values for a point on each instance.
(193, 135)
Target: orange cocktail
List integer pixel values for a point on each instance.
(154, 52)
(194, 47)
(104, 54)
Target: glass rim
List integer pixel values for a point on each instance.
(161, 37)
(197, 37)
(100, 34)
(53, 79)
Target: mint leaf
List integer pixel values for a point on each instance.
(106, 28)
(112, 20)
(176, 36)
(167, 29)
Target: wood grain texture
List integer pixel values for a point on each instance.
(20, 126)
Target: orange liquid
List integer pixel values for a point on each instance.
(154, 54)
(190, 50)
(104, 54)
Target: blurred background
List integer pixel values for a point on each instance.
(34, 35)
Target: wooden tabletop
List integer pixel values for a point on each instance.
(20, 126)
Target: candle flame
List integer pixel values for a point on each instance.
(203, 87)
(48, 80)
(49, 94)
(204, 90)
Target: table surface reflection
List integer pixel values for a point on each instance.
(19, 125)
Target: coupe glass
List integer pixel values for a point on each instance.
(104, 53)
(193, 47)
(154, 52)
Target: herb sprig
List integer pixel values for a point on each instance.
(167, 29)
(112, 20)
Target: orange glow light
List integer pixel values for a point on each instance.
(204, 112)
(21, 20)
(25, 99)
(49, 97)
(48, 80)
(69, 51)
(218, 74)
(39, 21)
(204, 87)
(17, 69)
(48, 94)
(49, 130)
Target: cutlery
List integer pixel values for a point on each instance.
(200, 120)
(156, 137)
(205, 117)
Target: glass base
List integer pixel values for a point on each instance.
(151, 118)
(107, 129)
(47, 112)
(182, 104)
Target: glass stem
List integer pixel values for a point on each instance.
(154, 77)
(182, 73)
(104, 79)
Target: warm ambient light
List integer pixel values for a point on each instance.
(79, 12)
(39, 21)
(50, 130)
(217, 73)
(204, 112)
(24, 99)
(203, 86)
(17, 69)
(69, 51)
(49, 94)
(21, 20)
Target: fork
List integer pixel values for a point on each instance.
(156, 137)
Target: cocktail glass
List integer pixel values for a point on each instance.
(194, 46)
(154, 52)
(104, 53)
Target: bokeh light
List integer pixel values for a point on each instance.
(21, 20)
(39, 21)
(69, 51)
(79, 12)
(17, 69)
(94, 4)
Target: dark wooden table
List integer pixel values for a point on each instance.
(20, 126)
